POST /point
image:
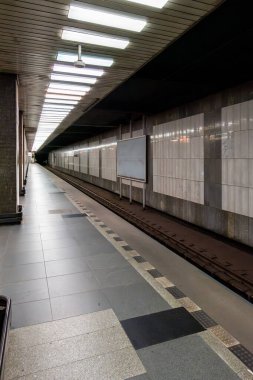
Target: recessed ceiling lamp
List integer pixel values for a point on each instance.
(58, 106)
(103, 16)
(93, 38)
(66, 86)
(60, 101)
(77, 70)
(87, 59)
(57, 91)
(73, 79)
(151, 3)
(63, 97)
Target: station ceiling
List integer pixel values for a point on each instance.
(213, 55)
(30, 38)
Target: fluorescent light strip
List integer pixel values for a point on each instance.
(60, 101)
(58, 106)
(62, 97)
(87, 59)
(151, 3)
(66, 86)
(73, 79)
(95, 39)
(57, 91)
(102, 16)
(77, 70)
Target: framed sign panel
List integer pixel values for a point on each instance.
(132, 158)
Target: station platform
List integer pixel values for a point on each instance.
(95, 298)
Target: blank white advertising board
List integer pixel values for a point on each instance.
(132, 158)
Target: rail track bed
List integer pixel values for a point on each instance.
(229, 262)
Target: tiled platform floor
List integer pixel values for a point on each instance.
(82, 311)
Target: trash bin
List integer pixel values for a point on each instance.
(5, 320)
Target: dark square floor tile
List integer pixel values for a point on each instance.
(66, 216)
(109, 232)
(69, 266)
(27, 291)
(204, 319)
(175, 292)
(140, 377)
(31, 313)
(139, 259)
(134, 300)
(72, 283)
(127, 248)
(186, 358)
(116, 238)
(160, 327)
(59, 211)
(77, 304)
(155, 273)
(243, 354)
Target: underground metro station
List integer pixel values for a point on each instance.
(126, 190)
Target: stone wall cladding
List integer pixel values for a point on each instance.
(209, 215)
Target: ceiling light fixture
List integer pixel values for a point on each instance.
(73, 79)
(103, 16)
(93, 38)
(151, 3)
(63, 97)
(57, 91)
(66, 86)
(77, 70)
(87, 59)
(60, 101)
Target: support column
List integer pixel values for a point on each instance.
(9, 157)
(21, 154)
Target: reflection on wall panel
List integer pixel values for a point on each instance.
(76, 161)
(136, 133)
(66, 161)
(94, 158)
(237, 158)
(71, 160)
(178, 158)
(83, 159)
(108, 154)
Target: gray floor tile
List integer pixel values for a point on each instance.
(62, 253)
(102, 261)
(94, 247)
(24, 246)
(59, 243)
(177, 360)
(31, 313)
(134, 300)
(13, 259)
(27, 291)
(77, 304)
(22, 273)
(62, 267)
(117, 277)
(72, 283)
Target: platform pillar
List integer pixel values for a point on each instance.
(9, 146)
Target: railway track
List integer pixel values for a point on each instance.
(227, 269)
